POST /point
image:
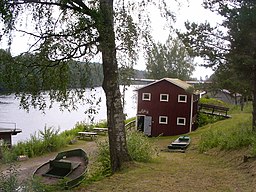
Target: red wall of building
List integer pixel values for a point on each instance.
(172, 108)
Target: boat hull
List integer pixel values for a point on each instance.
(53, 172)
(181, 143)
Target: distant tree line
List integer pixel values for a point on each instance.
(27, 72)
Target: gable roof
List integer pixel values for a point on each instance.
(175, 81)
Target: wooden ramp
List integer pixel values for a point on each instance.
(213, 110)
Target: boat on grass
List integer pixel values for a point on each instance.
(181, 143)
(68, 168)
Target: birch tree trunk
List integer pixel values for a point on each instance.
(115, 116)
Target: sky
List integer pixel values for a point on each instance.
(191, 10)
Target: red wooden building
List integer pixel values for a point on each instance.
(166, 107)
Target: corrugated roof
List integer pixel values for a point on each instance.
(175, 81)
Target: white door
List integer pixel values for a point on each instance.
(147, 125)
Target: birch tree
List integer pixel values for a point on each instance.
(81, 29)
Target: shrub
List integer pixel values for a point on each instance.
(204, 119)
(139, 146)
(46, 141)
(9, 180)
(213, 101)
(104, 158)
(101, 124)
(6, 154)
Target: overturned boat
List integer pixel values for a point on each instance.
(68, 168)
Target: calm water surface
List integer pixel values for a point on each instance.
(34, 120)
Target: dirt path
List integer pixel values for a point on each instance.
(26, 168)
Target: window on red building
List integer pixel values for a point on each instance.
(163, 119)
(182, 98)
(181, 121)
(164, 97)
(146, 96)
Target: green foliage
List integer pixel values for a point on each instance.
(6, 154)
(47, 141)
(232, 51)
(9, 180)
(212, 101)
(225, 77)
(169, 60)
(104, 158)
(51, 141)
(140, 149)
(101, 124)
(204, 119)
(230, 134)
(139, 146)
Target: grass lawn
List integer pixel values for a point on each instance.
(188, 171)
(213, 170)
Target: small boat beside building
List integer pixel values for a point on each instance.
(180, 143)
(68, 168)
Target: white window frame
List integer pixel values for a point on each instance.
(146, 99)
(181, 118)
(182, 101)
(161, 99)
(166, 120)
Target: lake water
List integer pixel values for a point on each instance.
(34, 120)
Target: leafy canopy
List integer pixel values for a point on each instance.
(169, 60)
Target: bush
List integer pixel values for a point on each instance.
(139, 147)
(204, 119)
(104, 158)
(46, 141)
(7, 155)
(43, 142)
(212, 101)
(9, 181)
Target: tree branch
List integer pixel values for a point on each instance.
(82, 9)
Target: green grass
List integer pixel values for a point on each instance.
(231, 134)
